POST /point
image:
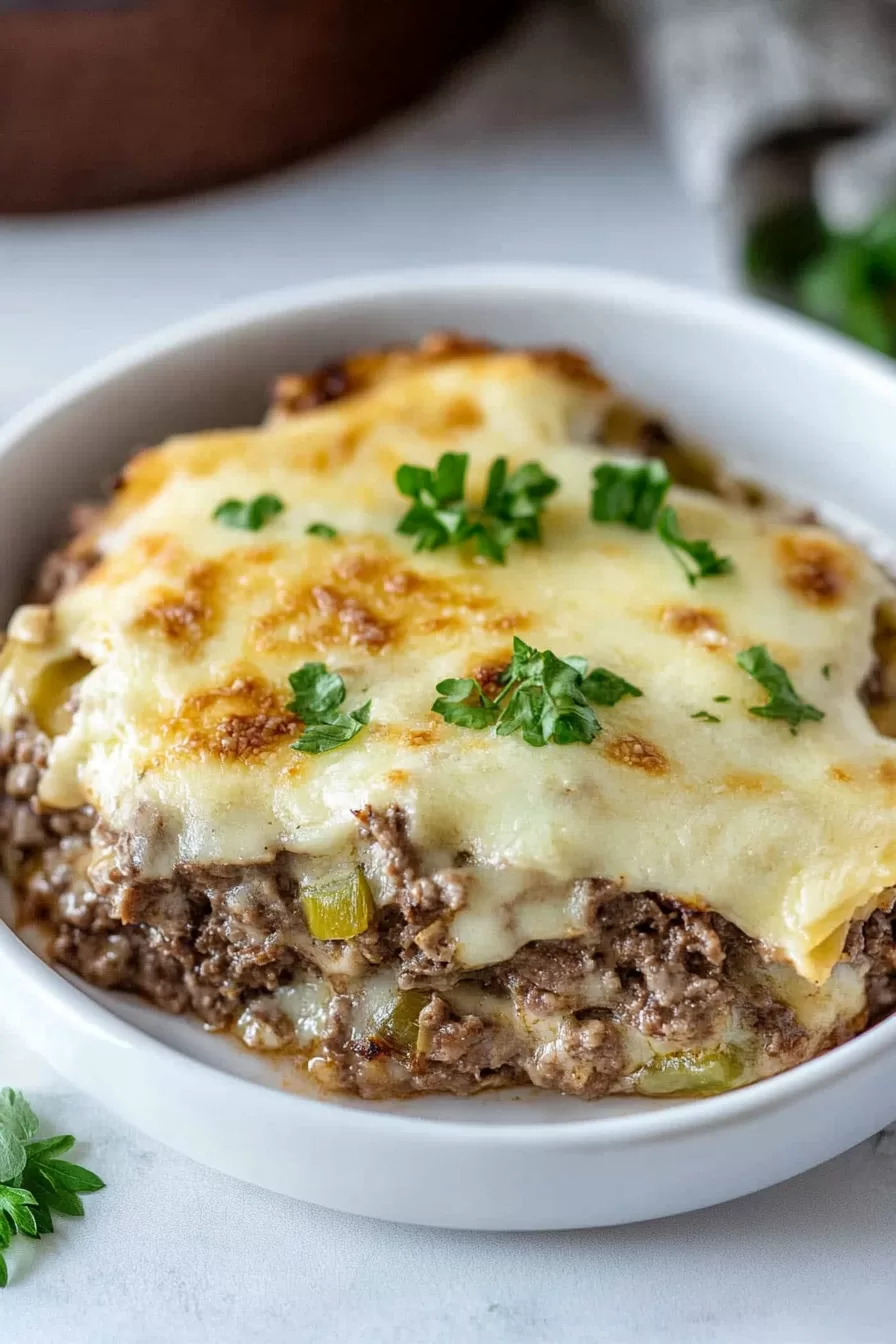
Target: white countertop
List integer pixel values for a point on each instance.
(538, 152)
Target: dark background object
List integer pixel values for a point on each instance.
(111, 102)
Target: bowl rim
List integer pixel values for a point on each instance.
(637, 292)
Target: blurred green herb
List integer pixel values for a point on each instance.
(845, 280)
(249, 515)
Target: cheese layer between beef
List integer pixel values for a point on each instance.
(181, 738)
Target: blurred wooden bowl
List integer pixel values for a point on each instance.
(125, 100)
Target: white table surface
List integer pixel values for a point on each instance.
(539, 151)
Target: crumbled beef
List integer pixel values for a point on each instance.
(466, 1043)
(425, 902)
(585, 1059)
(212, 940)
(872, 946)
(659, 964)
(65, 567)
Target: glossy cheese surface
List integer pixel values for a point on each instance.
(182, 740)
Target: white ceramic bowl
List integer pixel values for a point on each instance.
(786, 403)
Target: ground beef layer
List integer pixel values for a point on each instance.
(580, 1016)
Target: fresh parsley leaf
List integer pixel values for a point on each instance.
(605, 688)
(706, 717)
(43, 1183)
(633, 495)
(826, 671)
(630, 494)
(335, 732)
(12, 1157)
(250, 516)
(440, 515)
(16, 1116)
(321, 530)
(512, 507)
(463, 702)
(18, 1124)
(316, 691)
(783, 702)
(721, 699)
(698, 559)
(543, 697)
(317, 697)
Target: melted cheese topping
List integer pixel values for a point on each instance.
(181, 737)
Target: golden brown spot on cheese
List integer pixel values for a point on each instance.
(420, 737)
(141, 478)
(401, 582)
(240, 736)
(508, 622)
(357, 565)
(745, 781)
(815, 568)
(838, 773)
(461, 413)
(572, 366)
(445, 345)
(638, 753)
(887, 773)
(367, 598)
(154, 551)
(242, 720)
(296, 393)
(188, 616)
(397, 778)
(358, 625)
(490, 675)
(701, 625)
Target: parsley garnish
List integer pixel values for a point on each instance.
(440, 516)
(721, 699)
(629, 494)
(826, 671)
(321, 530)
(34, 1182)
(697, 558)
(706, 716)
(634, 495)
(545, 698)
(783, 702)
(251, 516)
(317, 696)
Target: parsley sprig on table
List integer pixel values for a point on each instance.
(633, 494)
(317, 696)
(783, 701)
(441, 516)
(35, 1182)
(543, 697)
(250, 515)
